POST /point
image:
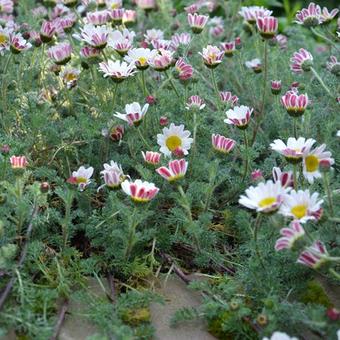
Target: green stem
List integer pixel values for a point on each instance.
(114, 95)
(316, 75)
(4, 89)
(295, 176)
(246, 159)
(324, 38)
(172, 84)
(131, 234)
(295, 127)
(213, 77)
(329, 194)
(265, 79)
(256, 228)
(334, 273)
(145, 91)
(143, 139)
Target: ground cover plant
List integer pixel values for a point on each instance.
(143, 138)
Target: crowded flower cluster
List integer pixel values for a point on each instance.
(106, 52)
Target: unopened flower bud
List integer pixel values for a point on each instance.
(163, 121)
(5, 149)
(333, 314)
(238, 43)
(150, 100)
(256, 176)
(325, 165)
(44, 187)
(276, 86)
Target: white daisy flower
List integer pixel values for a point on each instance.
(302, 206)
(294, 149)
(239, 116)
(174, 139)
(134, 113)
(313, 159)
(153, 34)
(81, 177)
(141, 57)
(280, 336)
(265, 197)
(117, 70)
(95, 36)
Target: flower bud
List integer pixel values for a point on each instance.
(256, 176)
(150, 100)
(44, 187)
(333, 314)
(262, 319)
(276, 86)
(5, 149)
(163, 121)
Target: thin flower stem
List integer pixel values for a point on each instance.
(114, 95)
(216, 88)
(4, 89)
(324, 38)
(256, 228)
(172, 84)
(316, 75)
(132, 234)
(334, 273)
(329, 194)
(145, 91)
(143, 139)
(295, 180)
(265, 79)
(295, 127)
(246, 159)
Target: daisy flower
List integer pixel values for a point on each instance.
(285, 177)
(151, 157)
(294, 103)
(212, 56)
(112, 174)
(293, 151)
(81, 177)
(239, 116)
(255, 65)
(301, 61)
(289, 236)
(140, 191)
(121, 41)
(95, 36)
(174, 138)
(141, 57)
(134, 113)
(267, 26)
(265, 197)
(18, 162)
(310, 16)
(222, 144)
(252, 13)
(312, 159)
(18, 43)
(197, 22)
(117, 70)
(333, 65)
(280, 336)
(153, 34)
(301, 205)
(314, 256)
(70, 77)
(175, 170)
(61, 53)
(195, 103)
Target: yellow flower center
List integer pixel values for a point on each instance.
(142, 61)
(312, 163)
(212, 56)
(266, 202)
(299, 211)
(3, 38)
(81, 180)
(173, 142)
(70, 77)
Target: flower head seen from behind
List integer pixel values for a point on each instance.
(112, 174)
(301, 61)
(314, 256)
(151, 157)
(140, 191)
(197, 22)
(289, 236)
(310, 16)
(265, 197)
(134, 113)
(195, 103)
(267, 26)
(302, 205)
(18, 162)
(222, 144)
(81, 177)
(239, 116)
(176, 170)
(173, 139)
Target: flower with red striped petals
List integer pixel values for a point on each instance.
(129, 17)
(301, 61)
(255, 65)
(222, 144)
(61, 53)
(228, 48)
(314, 256)
(197, 22)
(134, 113)
(162, 61)
(47, 31)
(276, 86)
(98, 17)
(267, 26)
(140, 191)
(252, 13)
(333, 65)
(81, 177)
(212, 56)
(285, 177)
(115, 133)
(113, 175)
(310, 16)
(151, 157)
(18, 162)
(289, 236)
(239, 116)
(175, 170)
(294, 103)
(18, 43)
(184, 70)
(146, 5)
(326, 16)
(195, 102)
(228, 98)
(117, 15)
